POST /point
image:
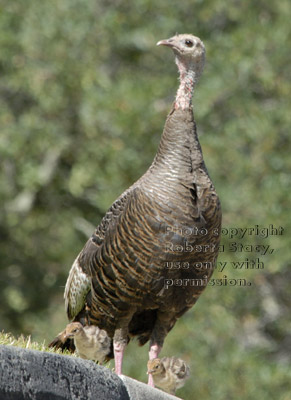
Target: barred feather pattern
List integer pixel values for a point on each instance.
(122, 276)
(125, 259)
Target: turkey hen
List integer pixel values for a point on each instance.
(154, 251)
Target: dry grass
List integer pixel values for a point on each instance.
(8, 339)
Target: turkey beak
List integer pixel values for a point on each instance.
(166, 42)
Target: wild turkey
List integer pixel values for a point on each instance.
(169, 373)
(91, 342)
(142, 268)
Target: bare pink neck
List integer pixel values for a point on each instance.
(185, 91)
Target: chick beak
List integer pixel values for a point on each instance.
(68, 336)
(165, 42)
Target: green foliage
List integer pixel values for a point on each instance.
(84, 94)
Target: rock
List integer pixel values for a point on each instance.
(36, 375)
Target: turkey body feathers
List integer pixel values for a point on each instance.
(124, 262)
(79, 281)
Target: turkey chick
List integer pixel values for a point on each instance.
(92, 343)
(169, 373)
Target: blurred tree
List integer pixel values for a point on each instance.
(84, 94)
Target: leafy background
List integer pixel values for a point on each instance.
(84, 93)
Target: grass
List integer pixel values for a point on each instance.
(8, 339)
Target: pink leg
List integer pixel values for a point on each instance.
(118, 356)
(155, 350)
(151, 381)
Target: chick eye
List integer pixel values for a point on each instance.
(188, 43)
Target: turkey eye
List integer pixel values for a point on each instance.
(189, 43)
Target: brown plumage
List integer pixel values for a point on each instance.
(169, 373)
(154, 251)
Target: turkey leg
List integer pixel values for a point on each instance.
(162, 326)
(155, 350)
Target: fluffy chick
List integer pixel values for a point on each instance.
(92, 343)
(169, 373)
